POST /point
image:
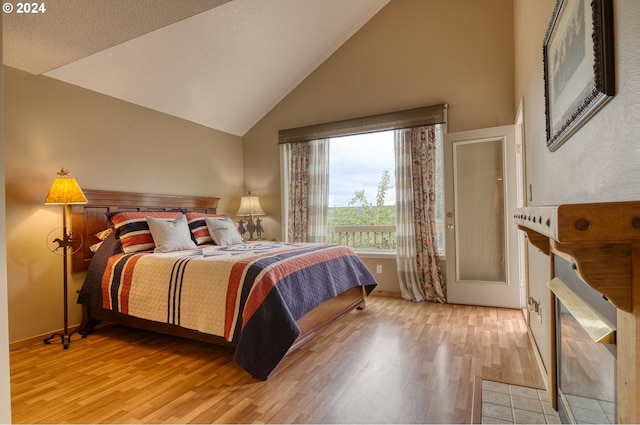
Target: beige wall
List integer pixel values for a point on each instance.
(601, 162)
(411, 54)
(5, 383)
(530, 25)
(106, 144)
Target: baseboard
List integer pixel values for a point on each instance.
(536, 353)
(38, 339)
(476, 401)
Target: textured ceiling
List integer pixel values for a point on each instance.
(222, 64)
(69, 30)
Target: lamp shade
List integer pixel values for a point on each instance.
(250, 205)
(65, 190)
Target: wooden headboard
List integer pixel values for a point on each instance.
(90, 218)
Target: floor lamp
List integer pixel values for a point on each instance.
(64, 191)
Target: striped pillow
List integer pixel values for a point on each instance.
(198, 226)
(133, 231)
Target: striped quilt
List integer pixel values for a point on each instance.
(251, 294)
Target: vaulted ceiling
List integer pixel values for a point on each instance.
(220, 63)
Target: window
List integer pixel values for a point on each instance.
(362, 211)
(361, 190)
(362, 201)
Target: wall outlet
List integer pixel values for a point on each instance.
(535, 307)
(378, 268)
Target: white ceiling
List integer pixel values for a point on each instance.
(223, 64)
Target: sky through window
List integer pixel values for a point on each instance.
(358, 162)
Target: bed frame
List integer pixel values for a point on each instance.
(89, 219)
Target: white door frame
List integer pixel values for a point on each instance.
(505, 294)
(521, 201)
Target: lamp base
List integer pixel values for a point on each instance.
(65, 338)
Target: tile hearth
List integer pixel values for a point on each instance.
(512, 404)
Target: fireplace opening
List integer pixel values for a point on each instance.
(585, 349)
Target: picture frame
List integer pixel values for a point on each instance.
(578, 60)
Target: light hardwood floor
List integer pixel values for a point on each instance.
(395, 362)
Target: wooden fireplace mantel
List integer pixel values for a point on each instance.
(602, 240)
(597, 238)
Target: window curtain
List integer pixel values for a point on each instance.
(418, 262)
(305, 169)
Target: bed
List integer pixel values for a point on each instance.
(263, 298)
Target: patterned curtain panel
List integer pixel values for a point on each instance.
(410, 286)
(418, 262)
(305, 167)
(318, 195)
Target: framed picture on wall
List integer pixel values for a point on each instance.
(578, 58)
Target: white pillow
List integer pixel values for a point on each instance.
(223, 231)
(171, 235)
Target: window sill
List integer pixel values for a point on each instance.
(379, 253)
(383, 254)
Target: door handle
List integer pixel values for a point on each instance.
(450, 226)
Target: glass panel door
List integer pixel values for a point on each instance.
(480, 211)
(481, 240)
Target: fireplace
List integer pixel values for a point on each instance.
(585, 349)
(601, 241)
